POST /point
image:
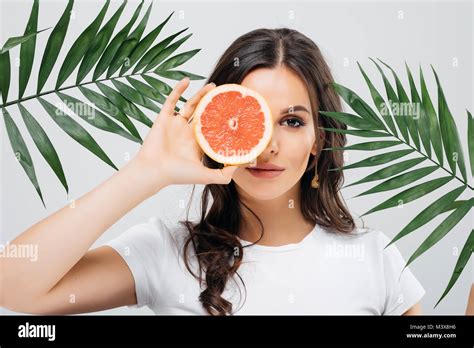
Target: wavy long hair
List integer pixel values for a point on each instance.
(213, 238)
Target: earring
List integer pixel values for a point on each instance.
(315, 181)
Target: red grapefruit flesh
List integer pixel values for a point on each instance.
(233, 124)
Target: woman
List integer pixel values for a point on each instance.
(281, 245)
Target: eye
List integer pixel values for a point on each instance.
(292, 121)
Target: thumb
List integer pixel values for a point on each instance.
(224, 175)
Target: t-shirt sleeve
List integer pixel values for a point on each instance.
(144, 247)
(402, 289)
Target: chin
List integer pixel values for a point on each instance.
(263, 192)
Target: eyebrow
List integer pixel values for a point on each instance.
(295, 108)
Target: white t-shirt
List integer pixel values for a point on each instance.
(326, 273)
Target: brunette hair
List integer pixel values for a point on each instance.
(214, 238)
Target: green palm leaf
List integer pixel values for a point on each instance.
(463, 259)
(393, 101)
(44, 145)
(423, 122)
(80, 46)
(75, 131)
(96, 49)
(109, 108)
(161, 87)
(158, 85)
(165, 53)
(369, 146)
(128, 45)
(430, 212)
(178, 75)
(389, 171)
(405, 103)
(357, 132)
(114, 45)
(5, 72)
(351, 120)
(143, 46)
(134, 96)
(452, 145)
(124, 105)
(421, 127)
(21, 151)
(147, 90)
(98, 45)
(376, 160)
(94, 116)
(453, 205)
(177, 60)
(440, 231)
(155, 50)
(435, 133)
(53, 46)
(27, 51)
(411, 194)
(400, 180)
(379, 102)
(358, 105)
(18, 40)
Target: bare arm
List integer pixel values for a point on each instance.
(63, 240)
(470, 302)
(67, 277)
(415, 310)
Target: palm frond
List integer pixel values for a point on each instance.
(99, 44)
(53, 46)
(411, 120)
(21, 151)
(95, 51)
(18, 40)
(463, 259)
(27, 52)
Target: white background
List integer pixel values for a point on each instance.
(420, 33)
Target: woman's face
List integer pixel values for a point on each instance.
(293, 137)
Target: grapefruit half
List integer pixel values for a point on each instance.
(232, 124)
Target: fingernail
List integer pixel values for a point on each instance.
(213, 84)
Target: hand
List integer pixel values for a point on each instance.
(170, 152)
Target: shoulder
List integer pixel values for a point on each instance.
(150, 250)
(174, 231)
(372, 239)
(369, 244)
(156, 233)
(381, 263)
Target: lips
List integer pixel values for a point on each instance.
(266, 166)
(264, 173)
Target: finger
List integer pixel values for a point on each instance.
(188, 108)
(222, 176)
(170, 103)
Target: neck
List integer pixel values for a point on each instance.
(281, 217)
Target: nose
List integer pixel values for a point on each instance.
(270, 150)
(272, 147)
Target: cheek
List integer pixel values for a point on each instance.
(239, 175)
(296, 149)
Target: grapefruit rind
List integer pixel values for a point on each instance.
(234, 159)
